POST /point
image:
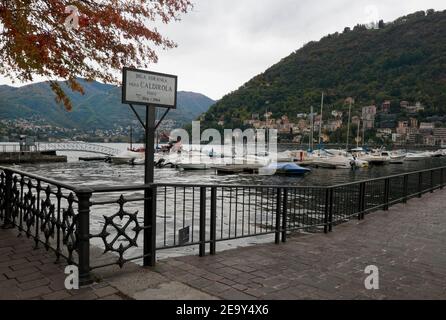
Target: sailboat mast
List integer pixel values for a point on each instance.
(312, 128)
(348, 123)
(357, 135)
(131, 137)
(363, 132)
(320, 122)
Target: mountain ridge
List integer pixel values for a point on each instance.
(99, 108)
(401, 60)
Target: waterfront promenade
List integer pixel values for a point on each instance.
(406, 243)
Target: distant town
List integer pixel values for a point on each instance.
(11, 130)
(377, 124)
(373, 125)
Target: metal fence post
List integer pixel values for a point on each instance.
(326, 209)
(284, 213)
(213, 220)
(420, 184)
(441, 178)
(150, 226)
(83, 235)
(8, 200)
(386, 193)
(405, 187)
(432, 181)
(361, 201)
(202, 249)
(330, 211)
(278, 207)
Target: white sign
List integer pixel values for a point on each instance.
(149, 88)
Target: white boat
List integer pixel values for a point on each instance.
(397, 157)
(324, 159)
(126, 157)
(352, 159)
(377, 158)
(417, 156)
(195, 166)
(285, 156)
(438, 153)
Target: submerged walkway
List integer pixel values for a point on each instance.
(407, 244)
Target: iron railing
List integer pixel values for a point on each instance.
(74, 222)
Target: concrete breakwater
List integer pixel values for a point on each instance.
(30, 157)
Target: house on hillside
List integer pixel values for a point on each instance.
(368, 116)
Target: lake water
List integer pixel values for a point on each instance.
(100, 173)
(80, 173)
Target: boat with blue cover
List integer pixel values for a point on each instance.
(287, 168)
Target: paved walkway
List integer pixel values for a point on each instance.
(407, 244)
(26, 273)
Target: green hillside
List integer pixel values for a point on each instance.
(99, 108)
(402, 60)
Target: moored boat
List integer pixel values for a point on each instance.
(377, 158)
(285, 168)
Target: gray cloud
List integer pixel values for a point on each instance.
(224, 43)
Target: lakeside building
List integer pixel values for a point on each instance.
(385, 106)
(440, 136)
(427, 127)
(368, 116)
(411, 109)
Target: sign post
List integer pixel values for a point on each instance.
(151, 89)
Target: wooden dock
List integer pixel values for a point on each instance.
(239, 168)
(92, 158)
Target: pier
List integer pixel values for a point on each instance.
(30, 157)
(312, 242)
(238, 168)
(17, 153)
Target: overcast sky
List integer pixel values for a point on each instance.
(224, 43)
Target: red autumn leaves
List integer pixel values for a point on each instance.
(111, 34)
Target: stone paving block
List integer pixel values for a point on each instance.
(12, 262)
(25, 265)
(33, 284)
(216, 288)
(35, 292)
(89, 295)
(30, 277)
(233, 294)
(22, 272)
(112, 297)
(106, 291)
(57, 295)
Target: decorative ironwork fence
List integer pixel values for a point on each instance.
(74, 222)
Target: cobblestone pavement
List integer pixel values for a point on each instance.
(26, 273)
(407, 244)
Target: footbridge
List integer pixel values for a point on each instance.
(78, 146)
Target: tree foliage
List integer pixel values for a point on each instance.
(402, 60)
(107, 36)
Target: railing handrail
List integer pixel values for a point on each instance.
(42, 214)
(37, 177)
(103, 189)
(385, 177)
